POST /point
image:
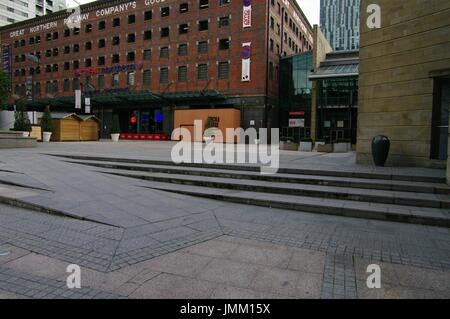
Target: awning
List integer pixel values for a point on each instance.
(335, 71)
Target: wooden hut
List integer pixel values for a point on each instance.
(66, 127)
(89, 128)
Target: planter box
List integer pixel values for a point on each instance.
(316, 145)
(325, 148)
(341, 147)
(284, 146)
(306, 146)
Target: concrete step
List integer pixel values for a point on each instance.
(347, 208)
(319, 191)
(362, 172)
(349, 182)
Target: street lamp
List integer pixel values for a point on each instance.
(35, 59)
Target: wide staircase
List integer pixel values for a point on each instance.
(415, 199)
(10, 139)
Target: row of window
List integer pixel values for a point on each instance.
(223, 73)
(203, 25)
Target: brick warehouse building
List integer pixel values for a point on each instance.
(146, 60)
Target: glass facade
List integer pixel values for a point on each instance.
(337, 103)
(295, 95)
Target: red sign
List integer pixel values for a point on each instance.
(297, 113)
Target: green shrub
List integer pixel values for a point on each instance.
(46, 122)
(21, 121)
(115, 128)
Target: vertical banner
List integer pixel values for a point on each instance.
(246, 61)
(29, 88)
(78, 99)
(7, 60)
(87, 105)
(247, 14)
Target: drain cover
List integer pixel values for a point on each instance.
(4, 253)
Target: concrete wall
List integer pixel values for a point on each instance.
(321, 48)
(395, 87)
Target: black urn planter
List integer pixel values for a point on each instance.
(380, 149)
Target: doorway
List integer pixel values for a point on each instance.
(439, 131)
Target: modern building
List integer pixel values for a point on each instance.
(339, 22)
(13, 11)
(404, 82)
(319, 94)
(146, 60)
(336, 96)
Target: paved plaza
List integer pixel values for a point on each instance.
(133, 241)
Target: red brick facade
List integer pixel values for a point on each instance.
(135, 22)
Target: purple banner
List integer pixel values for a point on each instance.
(6, 59)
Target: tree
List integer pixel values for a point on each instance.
(21, 121)
(46, 121)
(4, 89)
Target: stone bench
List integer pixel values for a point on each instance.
(10, 139)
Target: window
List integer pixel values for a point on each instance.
(76, 84)
(224, 22)
(183, 28)
(164, 75)
(182, 73)
(76, 31)
(183, 49)
(224, 2)
(115, 80)
(48, 37)
(116, 58)
(88, 46)
(165, 32)
(48, 53)
(203, 25)
(101, 43)
(102, 25)
(224, 44)
(202, 47)
(55, 35)
(88, 63)
(164, 52)
(38, 39)
(147, 55)
(66, 66)
(147, 77)
(116, 40)
(67, 33)
(88, 28)
(223, 70)
(272, 23)
(131, 78)
(76, 48)
(54, 68)
(148, 15)
(48, 87)
(55, 52)
(101, 81)
(131, 38)
(271, 45)
(148, 35)
(165, 12)
(101, 60)
(131, 56)
(203, 4)
(116, 22)
(66, 85)
(270, 70)
(76, 64)
(31, 41)
(202, 71)
(66, 49)
(131, 19)
(184, 7)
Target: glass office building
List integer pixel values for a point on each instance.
(295, 95)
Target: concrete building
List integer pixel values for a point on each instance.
(339, 22)
(404, 82)
(13, 11)
(145, 60)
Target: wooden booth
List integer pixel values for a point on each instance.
(70, 127)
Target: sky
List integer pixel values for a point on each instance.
(311, 8)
